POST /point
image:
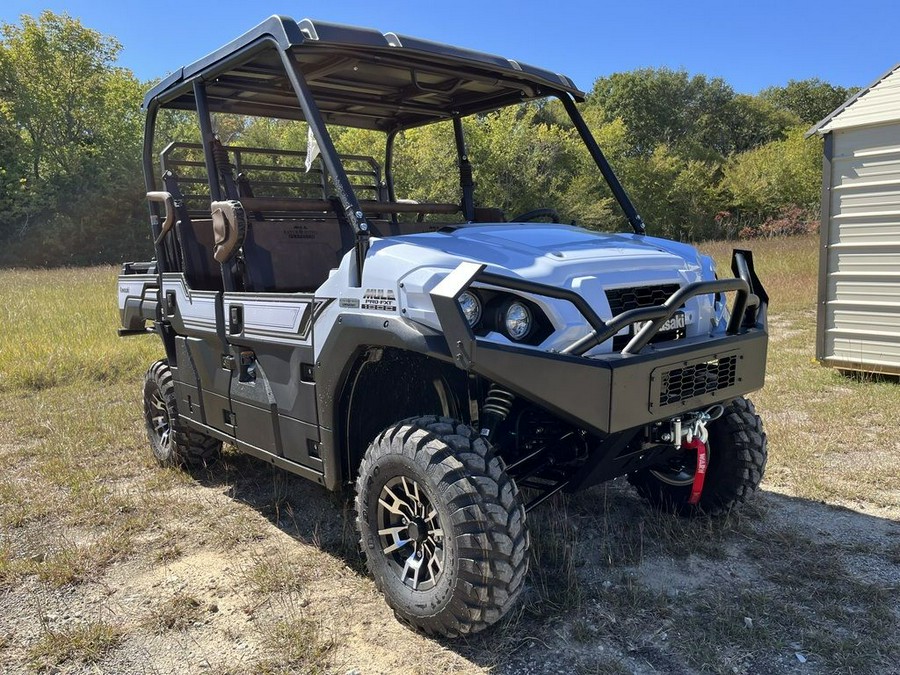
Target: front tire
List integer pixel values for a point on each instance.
(737, 461)
(442, 526)
(172, 441)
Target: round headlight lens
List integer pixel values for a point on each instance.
(470, 306)
(518, 320)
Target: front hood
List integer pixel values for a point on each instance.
(589, 263)
(551, 253)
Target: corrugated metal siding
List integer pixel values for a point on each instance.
(862, 309)
(879, 105)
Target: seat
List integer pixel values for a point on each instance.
(196, 241)
(292, 256)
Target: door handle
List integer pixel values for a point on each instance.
(235, 319)
(248, 366)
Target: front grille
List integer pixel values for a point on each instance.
(623, 299)
(681, 384)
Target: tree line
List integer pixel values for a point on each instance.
(698, 159)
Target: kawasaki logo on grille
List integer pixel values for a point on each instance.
(676, 322)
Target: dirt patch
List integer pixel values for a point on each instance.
(267, 553)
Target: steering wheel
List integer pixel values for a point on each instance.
(552, 214)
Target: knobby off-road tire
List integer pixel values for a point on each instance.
(737, 460)
(173, 442)
(467, 525)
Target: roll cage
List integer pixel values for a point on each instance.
(325, 73)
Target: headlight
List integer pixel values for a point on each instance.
(471, 307)
(518, 320)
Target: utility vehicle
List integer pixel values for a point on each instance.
(457, 365)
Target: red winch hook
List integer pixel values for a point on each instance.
(700, 473)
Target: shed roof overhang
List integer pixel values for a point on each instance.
(358, 77)
(825, 125)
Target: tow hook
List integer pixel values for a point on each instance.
(693, 436)
(700, 473)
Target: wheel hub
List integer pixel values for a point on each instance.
(418, 530)
(411, 535)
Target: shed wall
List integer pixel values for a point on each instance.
(861, 307)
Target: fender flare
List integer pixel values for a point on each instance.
(339, 356)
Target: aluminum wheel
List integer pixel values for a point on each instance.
(158, 420)
(410, 532)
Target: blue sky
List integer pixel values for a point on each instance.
(752, 44)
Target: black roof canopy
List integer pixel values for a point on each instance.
(359, 77)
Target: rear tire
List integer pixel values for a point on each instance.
(737, 461)
(172, 441)
(442, 526)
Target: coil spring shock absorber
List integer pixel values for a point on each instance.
(495, 410)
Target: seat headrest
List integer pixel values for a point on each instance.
(229, 228)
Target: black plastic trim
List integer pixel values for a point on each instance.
(350, 334)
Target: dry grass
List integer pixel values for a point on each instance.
(85, 513)
(84, 644)
(176, 613)
(299, 646)
(788, 268)
(832, 438)
(59, 326)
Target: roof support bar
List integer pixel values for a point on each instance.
(465, 171)
(634, 218)
(389, 165)
(206, 138)
(150, 186)
(333, 165)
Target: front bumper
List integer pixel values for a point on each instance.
(641, 384)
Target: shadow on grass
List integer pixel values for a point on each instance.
(615, 587)
(296, 506)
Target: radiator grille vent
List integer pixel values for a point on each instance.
(623, 299)
(681, 384)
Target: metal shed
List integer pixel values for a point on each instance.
(858, 323)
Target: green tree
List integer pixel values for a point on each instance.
(14, 185)
(779, 174)
(425, 164)
(587, 194)
(756, 121)
(521, 164)
(55, 72)
(667, 107)
(77, 122)
(695, 117)
(810, 100)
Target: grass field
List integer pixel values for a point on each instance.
(109, 563)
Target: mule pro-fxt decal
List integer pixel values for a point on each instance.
(380, 299)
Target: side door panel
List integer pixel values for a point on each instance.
(201, 383)
(272, 389)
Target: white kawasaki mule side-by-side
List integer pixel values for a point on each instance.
(457, 368)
